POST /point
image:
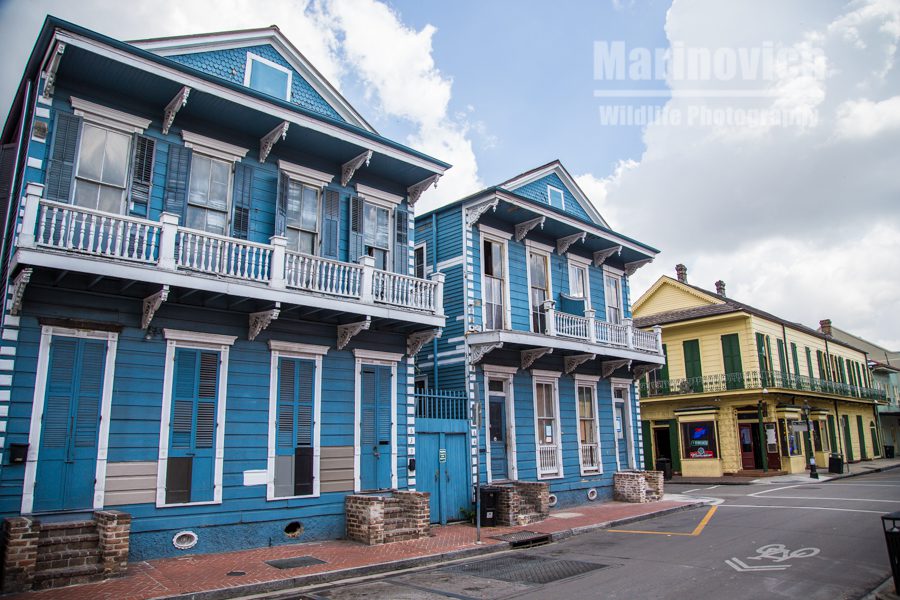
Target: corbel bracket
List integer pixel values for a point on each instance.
(641, 370)
(600, 256)
(530, 356)
(152, 304)
(415, 341)
(417, 189)
(349, 168)
(479, 351)
(346, 332)
(608, 367)
(261, 320)
(524, 227)
(177, 103)
(631, 267)
(572, 362)
(55, 58)
(563, 244)
(18, 290)
(267, 142)
(474, 213)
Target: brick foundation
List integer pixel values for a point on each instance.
(522, 502)
(377, 520)
(20, 544)
(114, 529)
(638, 486)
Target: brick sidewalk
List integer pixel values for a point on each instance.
(207, 572)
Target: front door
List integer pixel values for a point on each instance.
(622, 433)
(70, 424)
(375, 428)
(497, 434)
(662, 443)
(442, 470)
(748, 446)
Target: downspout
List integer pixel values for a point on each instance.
(434, 342)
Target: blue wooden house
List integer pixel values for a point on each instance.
(210, 306)
(539, 336)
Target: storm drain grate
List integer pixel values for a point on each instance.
(524, 539)
(524, 569)
(297, 561)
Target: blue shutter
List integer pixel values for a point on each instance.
(177, 180)
(241, 199)
(284, 183)
(287, 391)
(357, 229)
(305, 376)
(384, 404)
(90, 390)
(401, 241)
(60, 375)
(7, 174)
(142, 174)
(63, 151)
(367, 435)
(331, 214)
(183, 398)
(206, 400)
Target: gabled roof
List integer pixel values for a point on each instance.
(707, 297)
(556, 167)
(223, 40)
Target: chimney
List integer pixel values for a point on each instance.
(681, 272)
(720, 288)
(825, 326)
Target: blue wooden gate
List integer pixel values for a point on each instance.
(67, 455)
(442, 459)
(375, 428)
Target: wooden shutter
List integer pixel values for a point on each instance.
(63, 151)
(284, 184)
(647, 436)
(821, 362)
(90, 391)
(183, 398)
(206, 399)
(57, 406)
(674, 446)
(367, 436)
(401, 241)
(7, 174)
(781, 361)
(303, 455)
(287, 390)
(142, 174)
(692, 365)
(832, 433)
(796, 359)
(331, 216)
(357, 229)
(731, 357)
(195, 395)
(241, 201)
(177, 180)
(384, 405)
(809, 366)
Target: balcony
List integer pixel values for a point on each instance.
(165, 252)
(756, 380)
(594, 331)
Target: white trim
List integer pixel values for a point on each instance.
(527, 338)
(552, 378)
(627, 427)
(37, 411)
(589, 381)
(377, 356)
(362, 359)
(490, 234)
(577, 262)
(609, 270)
(500, 370)
(531, 244)
(301, 351)
(450, 262)
(571, 184)
(374, 194)
(562, 196)
(547, 374)
(255, 57)
(506, 374)
(493, 232)
(189, 339)
(212, 147)
(108, 117)
(305, 174)
(585, 379)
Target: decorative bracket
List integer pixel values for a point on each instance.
(563, 244)
(18, 291)
(351, 166)
(641, 370)
(268, 141)
(608, 367)
(530, 356)
(152, 304)
(524, 227)
(631, 267)
(473, 213)
(179, 101)
(415, 341)
(261, 320)
(417, 189)
(346, 332)
(55, 59)
(572, 362)
(600, 256)
(478, 351)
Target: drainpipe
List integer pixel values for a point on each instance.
(787, 351)
(434, 342)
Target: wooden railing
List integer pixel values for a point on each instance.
(548, 460)
(590, 457)
(595, 331)
(321, 275)
(614, 334)
(403, 290)
(220, 255)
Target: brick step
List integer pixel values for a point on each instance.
(53, 578)
(70, 558)
(84, 541)
(66, 529)
(401, 535)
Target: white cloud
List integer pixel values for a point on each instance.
(865, 119)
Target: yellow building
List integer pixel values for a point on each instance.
(741, 388)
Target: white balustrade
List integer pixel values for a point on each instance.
(548, 460)
(572, 326)
(220, 255)
(645, 340)
(611, 333)
(403, 290)
(77, 229)
(322, 275)
(590, 457)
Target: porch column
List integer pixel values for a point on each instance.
(550, 314)
(33, 193)
(367, 282)
(629, 332)
(167, 241)
(657, 331)
(438, 279)
(590, 315)
(276, 264)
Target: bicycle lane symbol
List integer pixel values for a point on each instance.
(776, 554)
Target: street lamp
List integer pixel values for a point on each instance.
(813, 473)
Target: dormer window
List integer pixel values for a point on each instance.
(267, 77)
(555, 197)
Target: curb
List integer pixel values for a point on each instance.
(282, 585)
(876, 470)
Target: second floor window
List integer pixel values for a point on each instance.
(302, 217)
(492, 261)
(578, 281)
(540, 290)
(207, 208)
(268, 77)
(100, 179)
(421, 258)
(376, 237)
(613, 299)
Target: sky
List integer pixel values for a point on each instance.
(754, 141)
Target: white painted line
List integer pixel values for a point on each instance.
(874, 512)
(693, 490)
(838, 499)
(867, 484)
(712, 487)
(784, 487)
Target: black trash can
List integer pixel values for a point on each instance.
(888, 451)
(891, 524)
(490, 498)
(664, 465)
(836, 463)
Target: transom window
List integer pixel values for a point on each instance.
(100, 179)
(302, 217)
(268, 77)
(208, 195)
(492, 266)
(613, 299)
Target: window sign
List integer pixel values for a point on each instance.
(699, 439)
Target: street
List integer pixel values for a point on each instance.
(801, 540)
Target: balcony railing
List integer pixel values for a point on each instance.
(442, 404)
(168, 247)
(755, 380)
(590, 457)
(595, 331)
(548, 460)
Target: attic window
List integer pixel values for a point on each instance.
(267, 77)
(555, 197)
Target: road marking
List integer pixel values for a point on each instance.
(693, 490)
(742, 567)
(697, 530)
(775, 552)
(784, 487)
(874, 512)
(712, 487)
(841, 499)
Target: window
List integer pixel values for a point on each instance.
(376, 225)
(302, 217)
(540, 290)
(555, 197)
(817, 435)
(613, 299)
(208, 194)
(100, 178)
(699, 439)
(494, 306)
(587, 430)
(791, 442)
(268, 77)
(421, 384)
(547, 429)
(420, 257)
(578, 282)
(294, 428)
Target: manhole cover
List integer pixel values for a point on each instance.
(524, 569)
(524, 538)
(297, 561)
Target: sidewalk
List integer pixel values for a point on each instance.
(227, 575)
(852, 470)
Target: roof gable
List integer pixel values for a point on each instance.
(667, 295)
(535, 185)
(227, 54)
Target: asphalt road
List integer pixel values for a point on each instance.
(812, 540)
